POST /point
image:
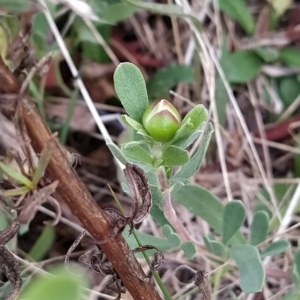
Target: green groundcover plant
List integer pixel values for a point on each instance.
(160, 144)
(159, 147)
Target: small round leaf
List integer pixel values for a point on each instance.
(252, 273)
(189, 249)
(233, 218)
(259, 227)
(130, 87)
(275, 248)
(175, 156)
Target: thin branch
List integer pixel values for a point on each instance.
(74, 193)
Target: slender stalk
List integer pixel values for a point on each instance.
(168, 209)
(155, 273)
(171, 216)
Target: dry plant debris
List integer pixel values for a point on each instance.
(38, 185)
(8, 263)
(140, 189)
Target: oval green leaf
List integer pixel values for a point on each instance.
(252, 273)
(290, 56)
(239, 11)
(172, 237)
(200, 202)
(217, 248)
(63, 285)
(43, 244)
(130, 87)
(189, 249)
(297, 262)
(132, 123)
(165, 79)
(241, 66)
(289, 89)
(207, 241)
(191, 122)
(233, 218)
(118, 12)
(117, 153)
(174, 156)
(275, 248)
(259, 227)
(137, 153)
(192, 167)
(188, 140)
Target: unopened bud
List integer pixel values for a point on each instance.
(161, 120)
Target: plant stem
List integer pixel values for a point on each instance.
(171, 216)
(74, 193)
(155, 273)
(168, 209)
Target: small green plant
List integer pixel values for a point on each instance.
(160, 149)
(160, 145)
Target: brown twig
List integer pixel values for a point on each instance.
(77, 197)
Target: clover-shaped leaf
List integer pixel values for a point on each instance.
(172, 237)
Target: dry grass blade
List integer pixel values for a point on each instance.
(73, 246)
(9, 232)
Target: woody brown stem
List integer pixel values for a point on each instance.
(77, 197)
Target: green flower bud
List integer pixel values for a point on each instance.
(161, 120)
